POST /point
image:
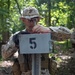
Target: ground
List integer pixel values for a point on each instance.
(65, 63)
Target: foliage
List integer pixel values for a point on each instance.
(54, 12)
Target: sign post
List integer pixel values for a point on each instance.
(36, 64)
(35, 44)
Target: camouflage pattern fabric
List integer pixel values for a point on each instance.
(60, 33)
(8, 50)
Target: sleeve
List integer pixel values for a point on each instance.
(60, 33)
(8, 49)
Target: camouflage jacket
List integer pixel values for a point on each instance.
(8, 50)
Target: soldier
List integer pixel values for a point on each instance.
(30, 16)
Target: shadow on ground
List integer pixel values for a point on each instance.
(67, 66)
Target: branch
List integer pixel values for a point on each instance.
(18, 6)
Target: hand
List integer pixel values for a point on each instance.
(40, 29)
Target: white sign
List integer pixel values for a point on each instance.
(35, 43)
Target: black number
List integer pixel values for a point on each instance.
(32, 41)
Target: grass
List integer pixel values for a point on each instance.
(64, 45)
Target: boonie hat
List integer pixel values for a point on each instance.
(30, 12)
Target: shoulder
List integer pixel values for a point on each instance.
(18, 32)
(15, 36)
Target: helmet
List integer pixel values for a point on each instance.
(30, 12)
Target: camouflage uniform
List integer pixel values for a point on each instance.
(22, 64)
(10, 48)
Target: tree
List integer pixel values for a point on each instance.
(55, 13)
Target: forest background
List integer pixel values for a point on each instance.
(54, 12)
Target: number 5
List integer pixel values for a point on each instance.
(32, 41)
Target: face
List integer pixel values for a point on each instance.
(30, 23)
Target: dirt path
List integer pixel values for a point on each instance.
(64, 67)
(67, 66)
